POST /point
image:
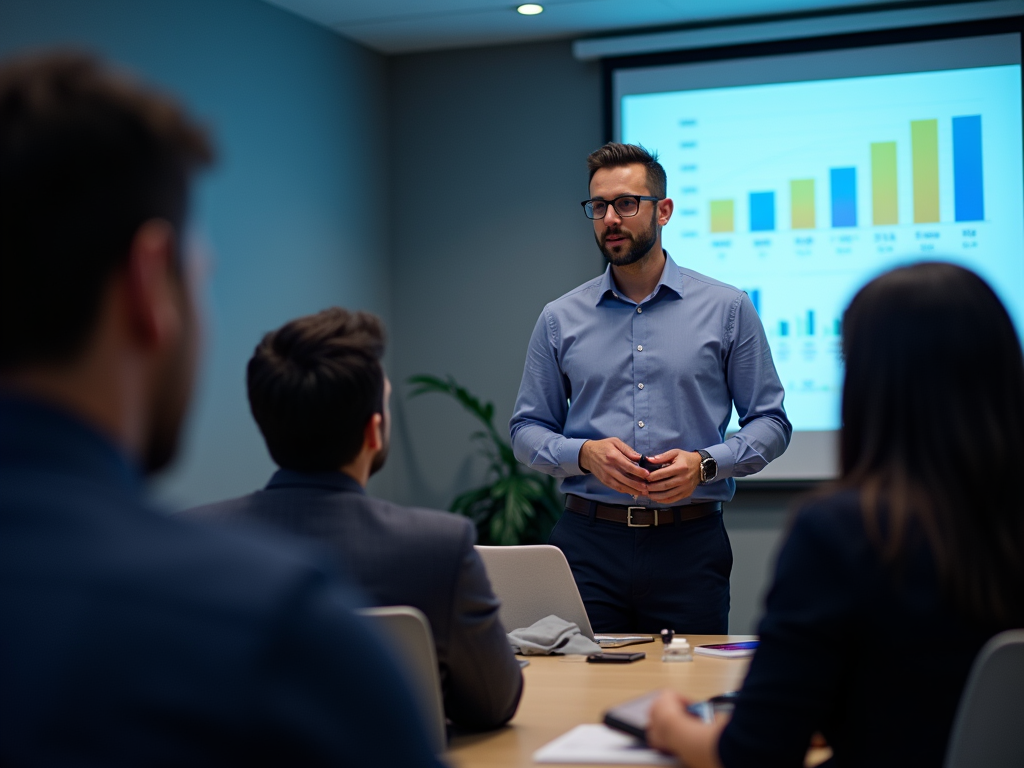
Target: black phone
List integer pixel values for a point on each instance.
(615, 658)
(649, 465)
(633, 716)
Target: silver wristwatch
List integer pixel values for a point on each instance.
(708, 467)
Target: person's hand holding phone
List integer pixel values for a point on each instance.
(677, 479)
(674, 730)
(614, 463)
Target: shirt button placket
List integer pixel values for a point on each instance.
(640, 426)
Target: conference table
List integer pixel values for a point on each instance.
(561, 692)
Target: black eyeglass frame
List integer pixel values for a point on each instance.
(612, 203)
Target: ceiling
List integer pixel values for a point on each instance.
(407, 26)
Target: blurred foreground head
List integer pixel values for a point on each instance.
(933, 419)
(95, 306)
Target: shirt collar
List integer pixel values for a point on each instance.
(671, 279)
(332, 481)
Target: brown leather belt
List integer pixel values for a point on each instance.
(642, 517)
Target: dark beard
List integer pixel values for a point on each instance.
(378, 460)
(382, 455)
(642, 244)
(170, 401)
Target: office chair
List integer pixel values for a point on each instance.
(534, 581)
(408, 632)
(989, 726)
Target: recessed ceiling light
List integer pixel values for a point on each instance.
(530, 9)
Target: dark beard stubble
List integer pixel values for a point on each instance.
(642, 243)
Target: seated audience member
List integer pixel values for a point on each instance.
(888, 586)
(320, 397)
(129, 637)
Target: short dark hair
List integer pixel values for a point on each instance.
(314, 384)
(933, 413)
(614, 155)
(86, 157)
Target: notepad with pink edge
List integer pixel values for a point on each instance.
(728, 650)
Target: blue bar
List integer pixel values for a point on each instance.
(810, 322)
(844, 197)
(968, 192)
(762, 211)
(755, 299)
(783, 328)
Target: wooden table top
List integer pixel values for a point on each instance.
(562, 692)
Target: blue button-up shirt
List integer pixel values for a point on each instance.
(658, 375)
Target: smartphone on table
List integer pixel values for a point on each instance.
(615, 658)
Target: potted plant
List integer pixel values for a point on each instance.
(517, 505)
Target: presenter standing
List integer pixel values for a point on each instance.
(641, 366)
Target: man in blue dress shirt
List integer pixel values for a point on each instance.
(637, 368)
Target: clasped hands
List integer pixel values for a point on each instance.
(614, 463)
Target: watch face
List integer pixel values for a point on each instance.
(708, 469)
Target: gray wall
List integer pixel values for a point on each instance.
(296, 209)
(488, 152)
(488, 148)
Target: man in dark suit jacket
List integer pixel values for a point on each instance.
(319, 395)
(129, 637)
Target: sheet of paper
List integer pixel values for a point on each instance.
(599, 744)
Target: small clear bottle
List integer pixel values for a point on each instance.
(677, 650)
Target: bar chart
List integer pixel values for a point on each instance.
(800, 192)
(968, 185)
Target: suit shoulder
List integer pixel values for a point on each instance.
(236, 565)
(430, 523)
(219, 509)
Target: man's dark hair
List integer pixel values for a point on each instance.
(313, 386)
(933, 413)
(614, 155)
(86, 157)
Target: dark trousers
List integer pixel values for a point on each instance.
(673, 576)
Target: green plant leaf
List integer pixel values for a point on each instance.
(518, 504)
(424, 384)
(466, 500)
(509, 523)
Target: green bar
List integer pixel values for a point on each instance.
(801, 203)
(924, 142)
(722, 216)
(884, 200)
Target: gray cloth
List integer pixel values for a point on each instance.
(551, 635)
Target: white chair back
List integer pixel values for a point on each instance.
(534, 581)
(408, 632)
(989, 726)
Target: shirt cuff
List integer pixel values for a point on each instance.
(722, 454)
(569, 456)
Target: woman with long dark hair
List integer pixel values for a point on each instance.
(889, 583)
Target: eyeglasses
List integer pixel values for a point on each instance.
(624, 205)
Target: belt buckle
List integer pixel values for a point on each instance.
(631, 524)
